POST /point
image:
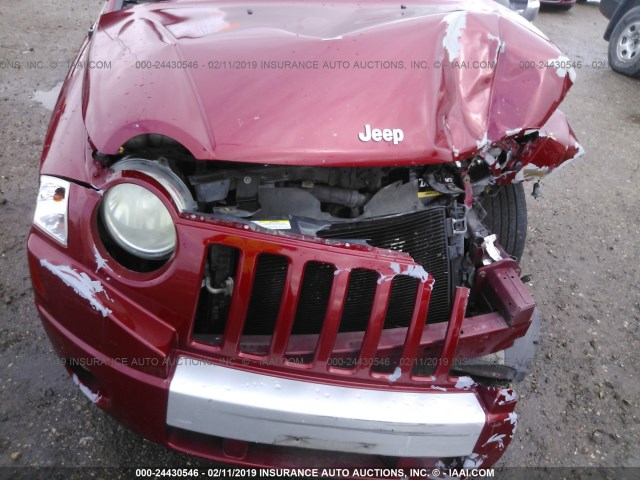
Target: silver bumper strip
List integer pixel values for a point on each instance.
(241, 405)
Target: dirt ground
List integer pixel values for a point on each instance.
(579, 407)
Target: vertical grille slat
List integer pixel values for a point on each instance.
(288, 307)
(416, 327)
(332, 319)
(241, 294)
(375, 326)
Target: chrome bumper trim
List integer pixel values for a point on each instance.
(230, 403)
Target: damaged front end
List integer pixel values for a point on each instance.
(290, 264)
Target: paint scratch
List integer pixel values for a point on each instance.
(508, 395)
(496, 439)
(81, 284)
(473, 461)
(464, 382)
(100, 262)
(415, 271)
(456, 22)
(395, 375)
(94, 397)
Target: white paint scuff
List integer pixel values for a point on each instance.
(415, 271)
(473, 461)
(395, 375)
(101, 263)
(464, 383)
(508, 395)
(499, 439)
(94, 397)
(456, 22)
(483, 143)
(513, 419)
(564, 67)
(530, 171)
(81, 284)
(498, 40)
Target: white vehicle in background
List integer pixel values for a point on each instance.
(527, 8)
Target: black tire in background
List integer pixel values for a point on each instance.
(624, 44)
(507, 217)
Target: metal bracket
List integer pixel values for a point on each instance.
(227, 290)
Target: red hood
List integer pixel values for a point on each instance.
(445, 109)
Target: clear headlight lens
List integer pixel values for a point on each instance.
(138, 221)
(52, 207)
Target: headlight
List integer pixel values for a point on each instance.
(51, 207)
(138, 221)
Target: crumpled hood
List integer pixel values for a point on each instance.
(296, 83)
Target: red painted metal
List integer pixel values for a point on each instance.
(414, 333)
(287, 312)
(242, 288)
(332, 322)
(450, 347)
(374, 329)
(252, 115)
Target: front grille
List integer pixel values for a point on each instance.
(423, 236)
(302, 302)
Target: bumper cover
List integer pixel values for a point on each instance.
(216, 400)
(180, 413)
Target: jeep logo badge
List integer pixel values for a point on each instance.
(387, 134)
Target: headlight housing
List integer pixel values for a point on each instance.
(138, 221)
(52, 207)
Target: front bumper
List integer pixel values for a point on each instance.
(224, 414)
(222, 401)
(135, 358)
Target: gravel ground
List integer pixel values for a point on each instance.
(579, 406)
